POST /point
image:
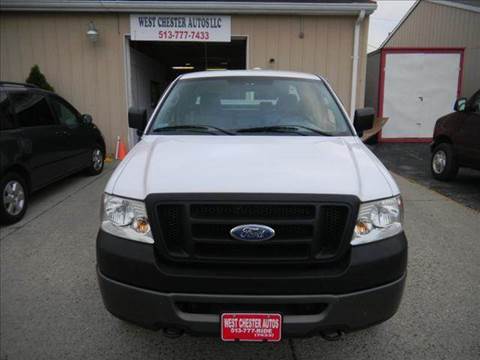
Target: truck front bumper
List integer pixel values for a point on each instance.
(345, 312)
(363, 290)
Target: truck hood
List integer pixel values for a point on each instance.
(251, 164)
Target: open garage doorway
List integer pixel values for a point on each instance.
(153, 65)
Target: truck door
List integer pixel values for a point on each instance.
(469, 135)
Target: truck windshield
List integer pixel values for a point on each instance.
(250, 106)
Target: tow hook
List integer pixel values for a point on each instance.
(172, 333)
(333, 336)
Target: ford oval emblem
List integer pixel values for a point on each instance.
(252, 232)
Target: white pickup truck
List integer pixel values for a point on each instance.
(251, 210)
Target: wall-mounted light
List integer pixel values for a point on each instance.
(92, 32)
(183, 67)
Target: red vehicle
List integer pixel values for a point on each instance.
(456, 139)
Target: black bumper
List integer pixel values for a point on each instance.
(345, 312)
(363, 289)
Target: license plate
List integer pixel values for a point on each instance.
(251, 327)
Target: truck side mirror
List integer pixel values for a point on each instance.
(137, 119)
(460, 105)
(363, 120)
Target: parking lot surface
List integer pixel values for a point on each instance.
(51, 306)
(413, 161)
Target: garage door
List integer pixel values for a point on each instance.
(418, 89)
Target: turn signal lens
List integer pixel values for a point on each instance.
(362, 227)
(141, 225)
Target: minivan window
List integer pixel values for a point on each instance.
(6, 119)
(31, 109)
(476, 103)
(240, 104)
(64, 113)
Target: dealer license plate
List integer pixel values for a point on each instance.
(251, 327)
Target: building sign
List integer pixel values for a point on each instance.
(180, 28)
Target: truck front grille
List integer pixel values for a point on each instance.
(196, 228)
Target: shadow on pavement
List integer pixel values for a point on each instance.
(49, 196)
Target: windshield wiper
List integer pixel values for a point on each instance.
(283, 128)
(203, 128)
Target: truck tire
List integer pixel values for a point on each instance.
(14, 199)
(443, 163)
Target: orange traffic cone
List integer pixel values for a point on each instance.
(121, 149)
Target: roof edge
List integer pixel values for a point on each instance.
(456, 5)
(190, 7)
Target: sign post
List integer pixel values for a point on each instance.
(196, 28)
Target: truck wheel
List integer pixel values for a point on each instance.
(14, 198)
(96, 161)
(443, 163)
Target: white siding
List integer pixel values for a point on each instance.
(372, 80)
(433, 25)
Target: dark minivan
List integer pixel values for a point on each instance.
(42, 139)
(456, 139)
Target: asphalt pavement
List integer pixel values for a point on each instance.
(51, 306)
(412, 160)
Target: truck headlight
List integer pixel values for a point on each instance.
(126, 218)
(378, 220)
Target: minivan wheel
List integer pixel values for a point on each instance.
(97, 161)
(443, 163)
(14, 198)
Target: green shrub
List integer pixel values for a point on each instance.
(37, 78)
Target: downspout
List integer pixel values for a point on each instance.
(356, 46)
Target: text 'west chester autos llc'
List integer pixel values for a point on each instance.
(180, 28)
